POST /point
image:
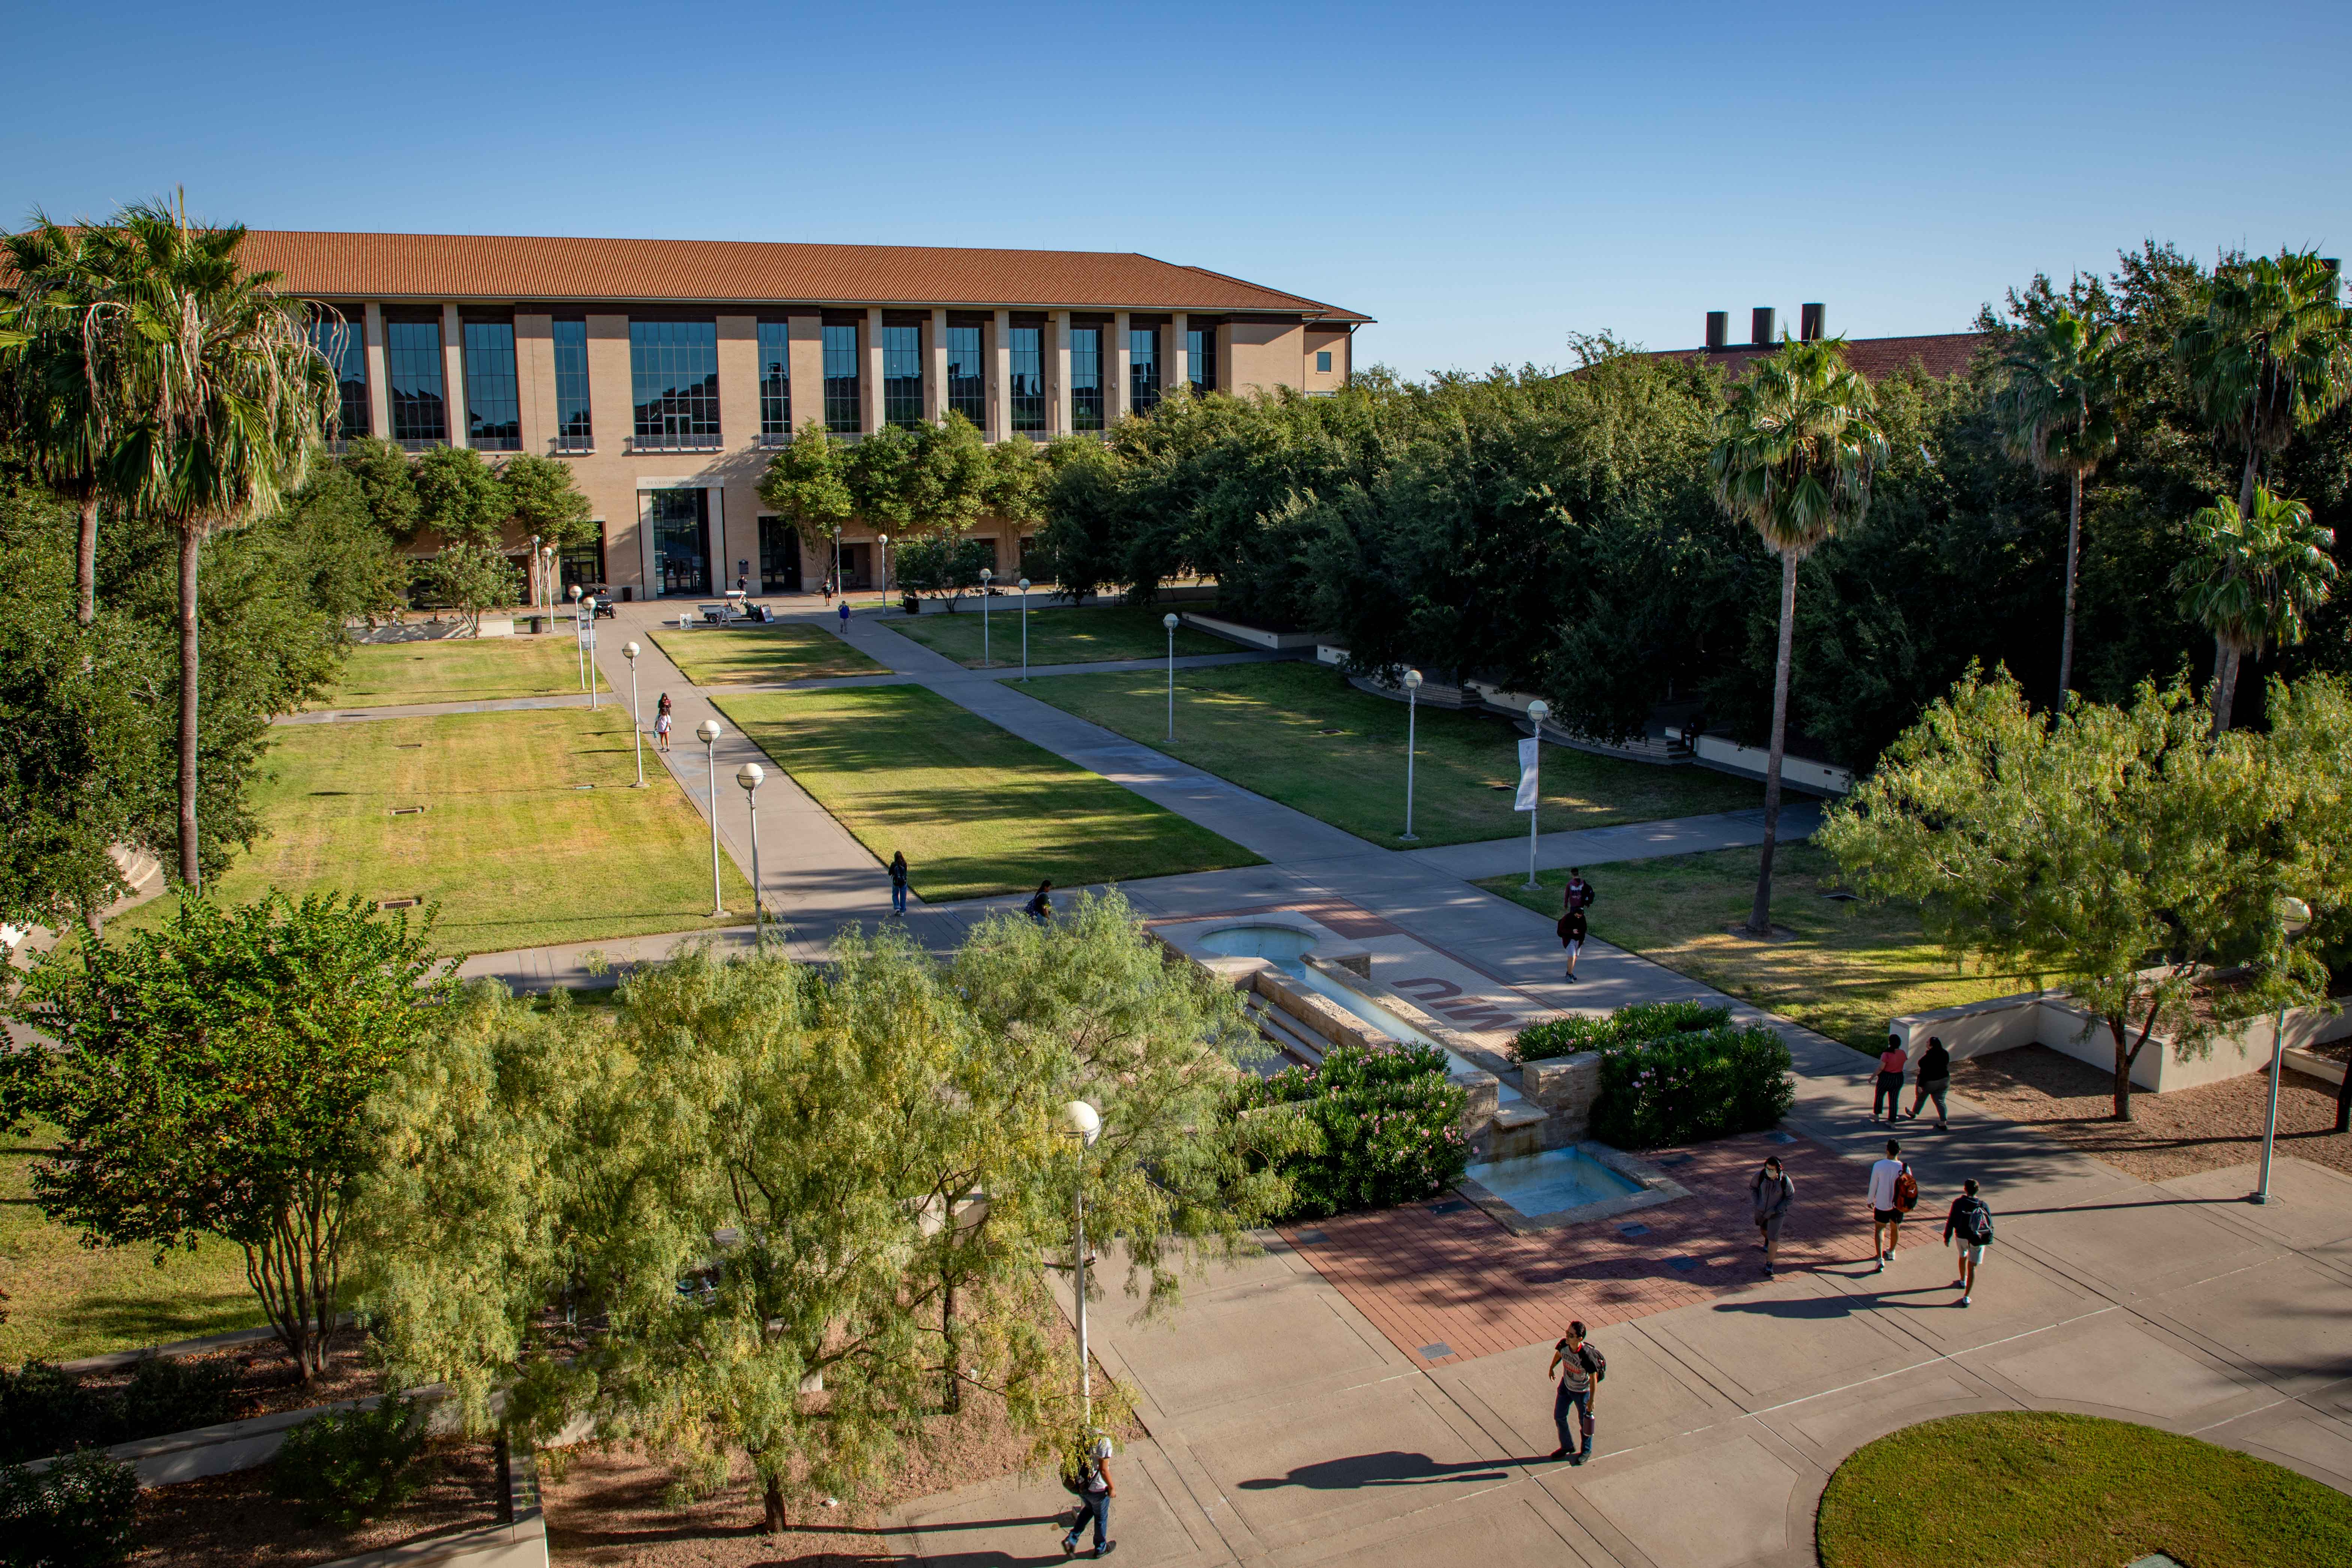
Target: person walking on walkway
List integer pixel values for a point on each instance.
(661, 730)
(1972, 1221)
(1572, 936)
(1040, 906)
(1580, 893)
(842, 609)
(1769, 1195)
(898, 882)
(1579, 1369)
(1092, 1484)
(1889, 1093)
(1893, 1189)
(1934, 1077)
(662, 707)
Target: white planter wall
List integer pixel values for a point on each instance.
(2046, 1017)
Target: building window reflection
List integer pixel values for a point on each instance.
(1086, 378)
(1028, 353)
(341, 343)
(1201, 361)
(844, 411)
(412, 367)
(574, 431)
(1143, 369)
(967, 376)
(493, 404)
(775, 383)
(902, 375)
(673, 377)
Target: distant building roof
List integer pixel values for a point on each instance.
(1942, 355)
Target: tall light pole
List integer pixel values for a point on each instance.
(1025, 628)
(986, 577)
(708, 732)
(750, 776)
(1169, 620)
(1538, 711)
(538, 573)
(1084, 1122)
(882, 580)
(629, 651)
(588, 646)
(1412, 719)
(580, 646)
(2293, 916)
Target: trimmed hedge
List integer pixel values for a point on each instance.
(1386, 1127)
(1565, 1036)
(1689, 1087)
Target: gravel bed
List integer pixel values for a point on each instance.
(235, 1519)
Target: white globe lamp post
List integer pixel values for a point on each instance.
(1083, 1122)
(629, 650)
(708, 732)
(1169, 621)
(1538, 711)
(1412, 722)
(750, 775)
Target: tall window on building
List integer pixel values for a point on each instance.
(775, 383)
(1086, 378)
(493, 404)
(341, 344)
(574, 431)
(674, 376)
(412, 371)
(1027, 353)
(843, 409)
(680, 523)
(1143, 369)
(902, 375)
(1201, 361)
(967, 376)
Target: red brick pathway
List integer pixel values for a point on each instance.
(1460, 1280)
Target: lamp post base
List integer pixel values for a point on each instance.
(2258, 1197)
(1408, 837)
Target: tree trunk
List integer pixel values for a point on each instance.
(191, 873)
(773, 1519)
(2073, 555)
(1759, 919)
(2344, 1101)
(2246, 481)
(951, 1393)
(2123, 1071)
(2225, 684)
(86, 561)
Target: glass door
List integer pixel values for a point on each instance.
(779, 556)
(680, 522)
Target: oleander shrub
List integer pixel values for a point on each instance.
(1688, 1087)
(1565, 1036)
(1385, 1128)
(349, 1466)
(77, 1513)
(47, 1410)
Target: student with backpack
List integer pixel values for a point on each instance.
(1935, 1078)
(1571, 929)
(1579, 1366)
(1893, 1191)
(1770, 1195)
(1085, 1475)
(1972, 1222)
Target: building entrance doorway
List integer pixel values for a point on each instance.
(857, 566)
(680, 523)
(779, 556)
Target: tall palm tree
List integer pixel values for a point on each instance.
(54, 390)
(2271, 350)
(224, 399)
(2056, 411)
(1794, 457)
(2256, 578)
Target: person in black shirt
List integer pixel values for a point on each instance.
(1971, 1220)
(1041, 902)
(1935, 1078)
(1580, 891)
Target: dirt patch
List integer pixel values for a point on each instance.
(235, 1519)
(2188, 1130)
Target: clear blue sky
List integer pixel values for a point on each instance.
(1486, 180)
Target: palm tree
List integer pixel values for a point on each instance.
(2271, 351)
(225, 397)
(2257, 577)
(2056, 411)
(1794, 458)
(53, 389)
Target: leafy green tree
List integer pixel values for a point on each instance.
(804, 482)
(2056, 411)
(2122, 854)
(469, 578)
(460, 497)
(386, 478)
(943, 566)
(2255, 579)
(547, 502)
(348, 567)
(1799, 445)
(57, 396)
(210, 1077)
(2269, 354)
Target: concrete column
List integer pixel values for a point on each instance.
(453, 373)
(1221, 356)
(379, 387)
(805, 349)
(935, 370)
(999, 353)
(628, 547)
(1118, 365)
(1172, 367)
(535, 380)
(869, 383)
(735, 534)
(1057, 375)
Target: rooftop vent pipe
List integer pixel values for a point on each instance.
(1759, 326)
(1718, 328)
(1810, 320)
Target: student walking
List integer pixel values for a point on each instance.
(1972, 1222)
(1893, 1189)
(661, 732)
(841, 610)
(1935, 1078)
(899, 883)
(1040, 907)
(828, 581)
(1889, 1093)
(1571, 929)
(1580, 1367)
(1580, 893)
(1769, 1195)
(1090, 1482)
(662, 707)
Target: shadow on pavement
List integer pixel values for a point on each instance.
(1387, 1468)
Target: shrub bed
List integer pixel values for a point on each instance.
(1643, 1021)
(77, 1513)
(1384, 1128)
(48, 1410)
(1688, 1087)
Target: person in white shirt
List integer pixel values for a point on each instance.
(1095, 1490)
(1886, 1208)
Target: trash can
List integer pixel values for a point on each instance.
(538, 624)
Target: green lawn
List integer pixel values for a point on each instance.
(66, 1301)
(718, 655)
(2007, 1488)
(1062, 635)
(1849, 968)
(514, 844)
(456, 670)
(976, 810)
(1298, 734)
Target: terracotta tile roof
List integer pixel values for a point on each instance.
(1944, 354)
(497, 266)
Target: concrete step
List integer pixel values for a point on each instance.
(1283, 1034)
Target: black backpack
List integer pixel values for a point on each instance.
(1975, 1224)
(1594, 1362)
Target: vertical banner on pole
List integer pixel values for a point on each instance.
(1526, 800)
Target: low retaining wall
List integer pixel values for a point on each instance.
(1247, 636)
(1566, 1088)
(1750, 761)
(2050, 1018)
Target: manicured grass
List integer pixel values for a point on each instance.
(976, 810)
(514, 849)
(1301, 735)
(66, 1301)
(1062, 635)
(1849, 967)
(2005, 1488)
(717, 655)
(456, 670)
